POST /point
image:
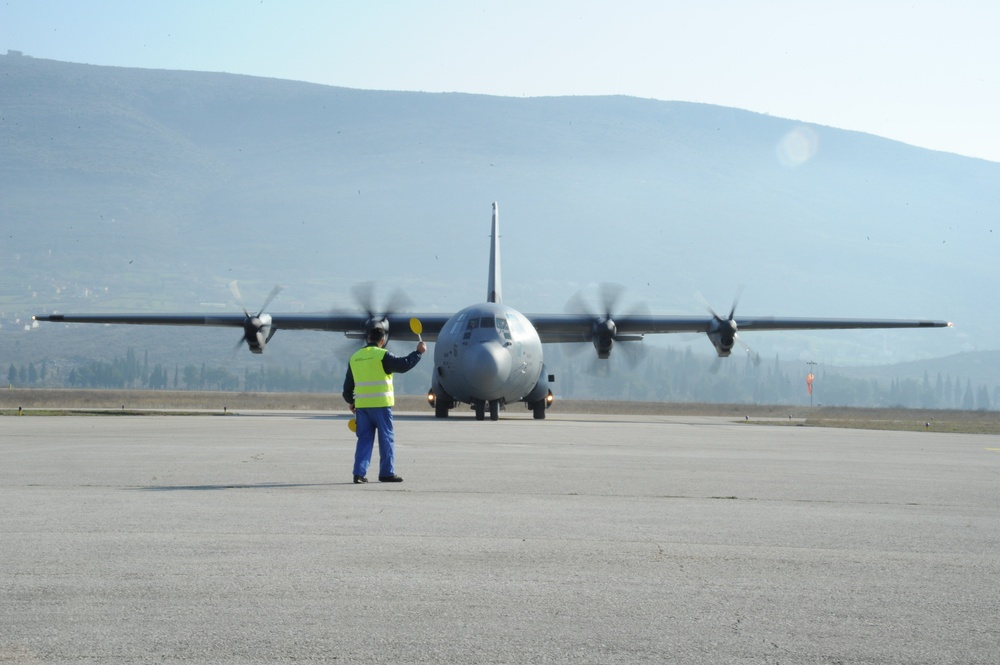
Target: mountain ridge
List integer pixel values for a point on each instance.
(139, 188)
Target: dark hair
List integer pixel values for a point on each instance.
(375, 335)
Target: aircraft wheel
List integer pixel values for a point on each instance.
(495, 409)
(538, 409)
(480, 410)
(440, 409)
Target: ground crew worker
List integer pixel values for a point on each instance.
(368, 389)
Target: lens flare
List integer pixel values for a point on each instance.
(797, 146)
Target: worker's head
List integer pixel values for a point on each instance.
(375, 335)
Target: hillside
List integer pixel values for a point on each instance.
(142, 189)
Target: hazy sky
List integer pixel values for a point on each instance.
(926, 73)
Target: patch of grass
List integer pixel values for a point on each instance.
(956, 426)
(949, 426)
(38, 402)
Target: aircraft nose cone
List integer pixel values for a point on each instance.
(487, 367)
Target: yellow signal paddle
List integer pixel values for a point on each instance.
(352, 424)
(416, 327)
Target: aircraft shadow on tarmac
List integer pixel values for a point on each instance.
(232, 486)
(470, 417)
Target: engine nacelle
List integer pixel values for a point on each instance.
(373, 322)
(723, 337)
(257, 331)
(377, 322)
(603, 333)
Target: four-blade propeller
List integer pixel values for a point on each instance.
(604, 331)
(378, 315)
(257, 329)
(724, 333)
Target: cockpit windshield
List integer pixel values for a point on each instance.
(489, 322)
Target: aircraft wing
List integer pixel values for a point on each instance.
(792, 323)
(576, 328)
(551, 327)
(220, 320)
(352, 324)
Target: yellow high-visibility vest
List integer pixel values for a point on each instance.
(372, 386)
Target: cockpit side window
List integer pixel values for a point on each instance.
(502, 328)
(457, 325)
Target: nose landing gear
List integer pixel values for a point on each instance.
(480, 407)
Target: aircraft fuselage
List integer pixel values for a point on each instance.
(487, 353)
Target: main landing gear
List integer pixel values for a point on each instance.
(441, 403)
(538, 409)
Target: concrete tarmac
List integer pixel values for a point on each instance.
(580, 539)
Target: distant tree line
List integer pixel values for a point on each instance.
(128, 372)
(671, 375)
(662, 375)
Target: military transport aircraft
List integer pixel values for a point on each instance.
(489, 355)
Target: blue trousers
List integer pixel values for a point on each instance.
(369, 421)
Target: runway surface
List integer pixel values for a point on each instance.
(579, 539)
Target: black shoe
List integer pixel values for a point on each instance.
(360, 479)
(390, 479)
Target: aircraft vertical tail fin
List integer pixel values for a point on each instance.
(493, 289)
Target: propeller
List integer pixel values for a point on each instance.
(378, 314)
(257, 329)
(724, 333)
(604, 331)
